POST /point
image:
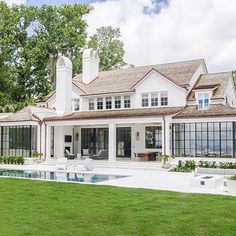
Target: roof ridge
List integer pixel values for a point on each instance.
(151, 65)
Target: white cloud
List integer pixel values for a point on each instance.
(10, 2)
(186, 29)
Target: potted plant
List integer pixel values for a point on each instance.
(231, 184)
(166, 161)
(37, 156)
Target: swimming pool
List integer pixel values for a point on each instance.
(60, 176)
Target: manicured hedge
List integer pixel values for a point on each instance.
(190, 165)
(19, 160)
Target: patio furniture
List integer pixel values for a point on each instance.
(147, 156)
(69, 155)
(88, 164)
(135, 157)
(85, 153)
(102, 155)
(61, 164)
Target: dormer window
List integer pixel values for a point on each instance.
(203, 101)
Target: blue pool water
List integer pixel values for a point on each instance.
(62, 176)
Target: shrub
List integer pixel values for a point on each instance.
(207, 164)
(227, 165)
(12, 160)
(233, 177)
(185, 166)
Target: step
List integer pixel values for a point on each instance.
(117, 164)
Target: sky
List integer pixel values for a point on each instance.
(160, 31)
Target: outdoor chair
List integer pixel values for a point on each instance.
(61, 164)
(85, 153)
(69, 155)
(88, 164)
(102, 155)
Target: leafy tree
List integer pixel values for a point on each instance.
(109, 46)
(31, 40)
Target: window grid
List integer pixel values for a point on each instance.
(154, 99)
(118, 102)
(18, 140)
(99, 103)
(145, 100)
(108, 102)
(91, 104)
(126, 101)
(212, 139)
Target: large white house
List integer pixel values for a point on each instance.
(175, 108)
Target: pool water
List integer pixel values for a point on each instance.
(61, 176)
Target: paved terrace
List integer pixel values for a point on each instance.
(137, 178)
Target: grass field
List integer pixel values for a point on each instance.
(47, 208)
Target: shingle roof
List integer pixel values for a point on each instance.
(28, 113)
(123, 80)
(124, 113)
(205, 80)
(215, 110)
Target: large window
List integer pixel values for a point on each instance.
(153, 136)
(108, 102)
(99, 103)
(123, 141)
(145, 99)
(203, 100)
(18, 140)
(94, 139)
(212, 139)
(118, 102)
(155, 99)
(91, 104)
(126, 101)
(164, 99)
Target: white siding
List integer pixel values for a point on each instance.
(156, 83)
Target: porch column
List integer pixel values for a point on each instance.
(112, 142)
(166, 149)
(167, 129)
(48, 142)
(59, 142)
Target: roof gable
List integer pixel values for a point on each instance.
(153, 70)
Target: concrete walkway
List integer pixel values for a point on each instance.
(147, 179)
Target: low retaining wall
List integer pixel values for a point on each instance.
(215, 171)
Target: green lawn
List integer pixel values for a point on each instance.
(48, 208)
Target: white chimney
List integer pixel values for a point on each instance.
(90, 65)
(63, 85)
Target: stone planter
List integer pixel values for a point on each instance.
(231, 185)
(166, 165)
(29, 161)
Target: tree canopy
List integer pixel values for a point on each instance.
(31, 40)
(110, 47)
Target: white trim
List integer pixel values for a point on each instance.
(156, 72)
(18, 123)
(129, 120)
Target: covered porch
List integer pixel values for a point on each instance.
(110, 139)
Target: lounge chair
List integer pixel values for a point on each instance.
(102, 155)
(69, 155)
